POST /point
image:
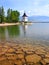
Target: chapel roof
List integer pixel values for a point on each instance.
(24, 15)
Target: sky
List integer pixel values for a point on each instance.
(31, 7)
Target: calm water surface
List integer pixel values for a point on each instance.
(38, 31)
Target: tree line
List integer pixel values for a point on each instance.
(12, 15)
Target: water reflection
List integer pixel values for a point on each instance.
(9, 32)
(13, 31)
(2, 33)
(6, 33)
(24, 27)
(35, 31)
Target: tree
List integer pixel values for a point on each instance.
(12, 16)
(9, 15)
(2, 14)
(15, 16)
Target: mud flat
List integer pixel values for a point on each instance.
(22, 52)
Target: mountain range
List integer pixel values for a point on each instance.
(38, 18)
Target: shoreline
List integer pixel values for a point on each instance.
(8, 24)
(18, 23)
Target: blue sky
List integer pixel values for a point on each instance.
(31, 7)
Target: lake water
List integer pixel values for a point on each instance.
(38, 31)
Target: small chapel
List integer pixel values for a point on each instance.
(24, 17)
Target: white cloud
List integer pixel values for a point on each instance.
(21, 12)
(27, 12)
(32, 7)
(47, 6)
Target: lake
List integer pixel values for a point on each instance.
(38, 31)
(22, 42)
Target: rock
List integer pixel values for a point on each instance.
(43, 62)
(11, 56)
(33, 58)
(46, 60)
(19, 52)
(40, 51)
(2, 58)
(5, 62)
(10, 50)
(17, 62)
(47, 55)
(29, 52)
(2, 50)
(21, 56)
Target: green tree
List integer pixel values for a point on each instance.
(9, 15)
(12, 16)
(2, 14)
(15, 16)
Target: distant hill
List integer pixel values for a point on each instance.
(38, 18)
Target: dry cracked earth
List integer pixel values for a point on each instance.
(15, 53)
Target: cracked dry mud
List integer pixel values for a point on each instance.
(23, 54)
